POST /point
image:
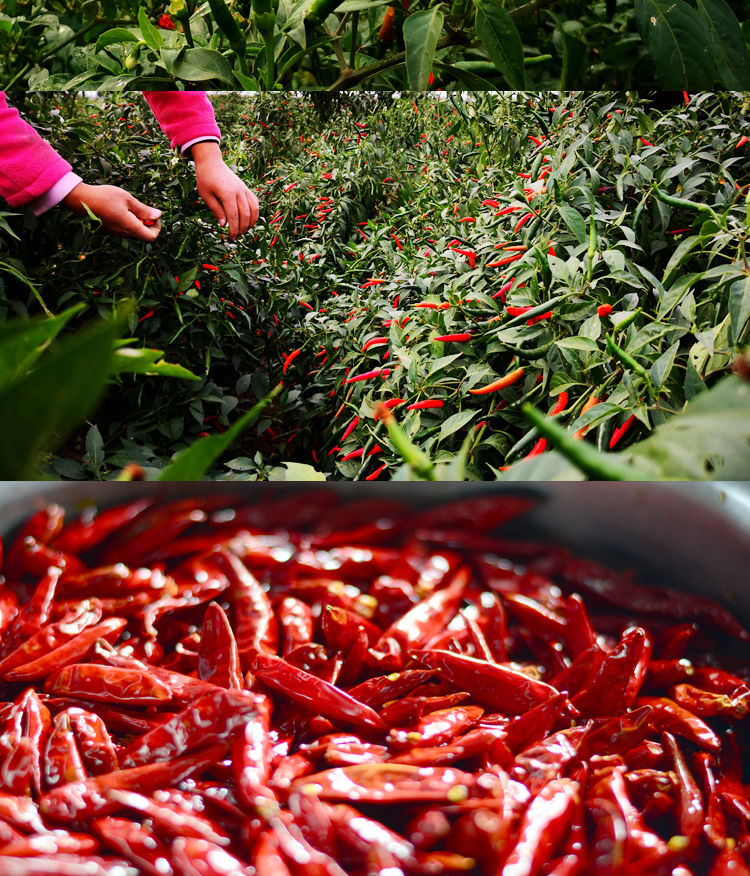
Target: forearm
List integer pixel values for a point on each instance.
(185, 117)
(29, 166)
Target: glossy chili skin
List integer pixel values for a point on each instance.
(198, 689)
(492, 685)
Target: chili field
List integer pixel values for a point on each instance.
(338, 45)
(478, 286)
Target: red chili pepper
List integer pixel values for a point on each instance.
(367, 375)
(604, 310)
(459, 338)
(426, 404)
(289, 359)
(522, 221)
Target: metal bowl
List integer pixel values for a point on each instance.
(686, 536)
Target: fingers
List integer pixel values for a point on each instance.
(140, 221)
(129, 225)
(243, 213)
(232, 213)
(215, 206)
(254, 207)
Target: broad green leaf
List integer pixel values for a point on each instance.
(661, 368)
(421, 33)
(684, 248)
(94, 448)
(549, 466)
(728, 44)
(192, 463)
(709, 440)
(54, 397)
(202, 65)
(678, 42)
(739, 306)
(150, 34)
(575, 222)
(455, 422)
(359, 5)
(502, 42)
(575, 343)
(115, 35)
(130, 360)
(23, 341)
(296, 471)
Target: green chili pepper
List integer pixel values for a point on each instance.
(320, 10)
(228, 25)
(624, 323)
(536, 167)
(417, 460)
(684, 203)
(600, 467)
(628, 361)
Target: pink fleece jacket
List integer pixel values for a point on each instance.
(33, 175)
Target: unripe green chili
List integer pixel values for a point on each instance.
(629, 319)
(536, 167)
(227, 25)
(684, 203)
(598, 466)
(593, 243)
(628, 361)
(417, 460)
(529, 352)
(320, 10)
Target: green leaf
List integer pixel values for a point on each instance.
(94, 448)
(54, 397)
(708, 441)
(115, 35)
(728, 45)
(202, 65)
(421, 33)
(23, 341)
(739, 306)
(678, 42)
(150, 34)
(661, 368)
(192, 463)
(502, 42)
(455, 422)
(129, 360)
(574, 343)
(575, 222)
(295, 471)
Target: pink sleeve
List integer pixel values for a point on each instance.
(29, 166)
(184, 116)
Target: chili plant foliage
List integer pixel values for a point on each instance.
(424, 274)
(343, 44)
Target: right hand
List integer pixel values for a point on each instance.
(120, 213)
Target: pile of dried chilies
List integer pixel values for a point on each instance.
(307, 687)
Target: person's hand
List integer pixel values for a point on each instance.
(120, 213)
(226, 196)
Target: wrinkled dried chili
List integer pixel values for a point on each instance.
(208, 687)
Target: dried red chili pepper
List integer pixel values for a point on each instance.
(477, 748)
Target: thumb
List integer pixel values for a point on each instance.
(214, 205)
(143, 211)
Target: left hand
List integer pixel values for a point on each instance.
(224, 193)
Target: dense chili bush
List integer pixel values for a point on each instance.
(388, 224)
(337, 45)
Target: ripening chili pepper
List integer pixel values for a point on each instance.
(604, 310)
(741, 142)
(502, 383)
